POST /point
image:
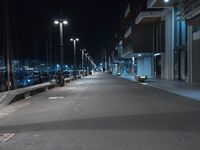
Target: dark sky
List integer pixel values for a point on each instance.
(93, 21)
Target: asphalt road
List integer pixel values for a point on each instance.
(103, 112)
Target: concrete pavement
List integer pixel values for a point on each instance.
(103, 112)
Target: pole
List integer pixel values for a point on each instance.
(61, 55)
(105, 60)
(82, 59)
(75, 59)
(61, 46)
(7, 43)
(86, 64)
(50, 48)
(82, 50)
(47, 51)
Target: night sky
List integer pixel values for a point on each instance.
(93, 21)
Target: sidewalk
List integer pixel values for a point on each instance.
(177, 87)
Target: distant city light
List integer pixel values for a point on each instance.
(139, 55)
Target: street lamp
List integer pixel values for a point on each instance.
(86, 61)
(166, 1)
(83, 50)
(61, 22)
(74, 41)
(89, 59)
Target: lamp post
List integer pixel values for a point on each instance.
(86, 58)
(61, 22)
(83, 50)
(89, 57)
(74, 41)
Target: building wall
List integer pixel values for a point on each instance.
(196, 61)
(194, 52)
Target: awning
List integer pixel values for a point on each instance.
(148, 17)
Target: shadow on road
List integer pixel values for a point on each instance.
(180, 121)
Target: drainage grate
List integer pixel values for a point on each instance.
(4, 137)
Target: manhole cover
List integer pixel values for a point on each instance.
(4, 137)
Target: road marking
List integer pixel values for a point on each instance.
(28, 97)
(144, 83)
(36, 135)
(71, 88)
(80, 83)
(57, 97)
(52, 97)
(4, 137)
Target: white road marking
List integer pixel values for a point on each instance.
(6, 136)
(53, 97)
(57, 97)
(71, 88)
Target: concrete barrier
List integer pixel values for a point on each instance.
(18, 94)
(67, 80)
(7, 98)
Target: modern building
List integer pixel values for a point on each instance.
(160, 39)
(135, 45)
(182, 38)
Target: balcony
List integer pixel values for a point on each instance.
(148, 17)
(192, 9)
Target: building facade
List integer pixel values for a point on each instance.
(182, 20)
(161, 39)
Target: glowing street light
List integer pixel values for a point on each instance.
(74, 41)
(61, 22)
(166, 1)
